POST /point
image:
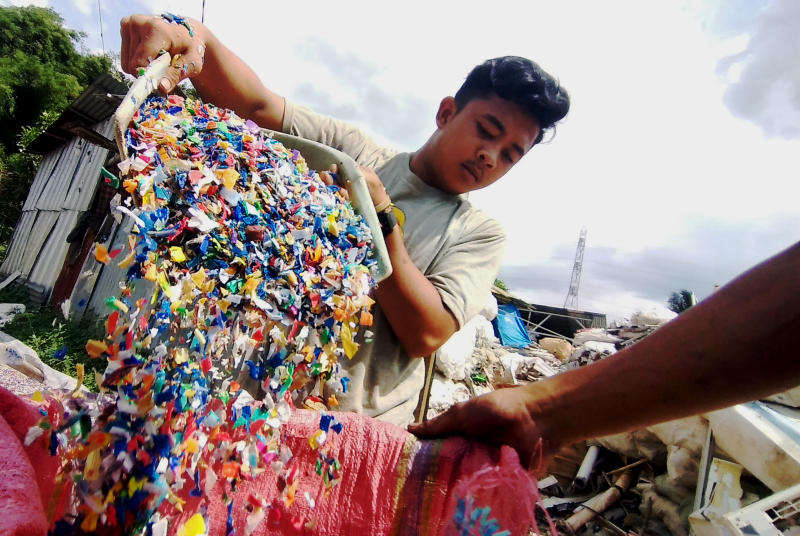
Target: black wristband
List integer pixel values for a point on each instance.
(388, 221)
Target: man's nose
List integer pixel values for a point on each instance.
(487, 157)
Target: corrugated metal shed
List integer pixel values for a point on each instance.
(64, 186)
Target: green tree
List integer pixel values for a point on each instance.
(499, 283)
(43, 67)
(680, 300)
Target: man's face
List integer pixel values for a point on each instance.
(480, 143)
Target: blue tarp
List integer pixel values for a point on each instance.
(509, 328)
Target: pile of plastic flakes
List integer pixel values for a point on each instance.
(261, 273)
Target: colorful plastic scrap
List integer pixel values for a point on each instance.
(469, 520)
(260, 276)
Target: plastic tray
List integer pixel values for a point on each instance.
(317, 155)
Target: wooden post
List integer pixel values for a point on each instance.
(424, 396)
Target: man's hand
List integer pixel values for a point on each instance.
(144, 37)
(376, 190)
(501, 417)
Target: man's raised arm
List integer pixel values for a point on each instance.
(218, 74)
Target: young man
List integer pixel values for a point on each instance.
(448, 253)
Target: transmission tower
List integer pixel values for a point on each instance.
(572, 296)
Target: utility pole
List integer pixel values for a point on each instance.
(572, 296)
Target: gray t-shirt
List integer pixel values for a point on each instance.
(458, 247)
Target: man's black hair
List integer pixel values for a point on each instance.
(522, 82)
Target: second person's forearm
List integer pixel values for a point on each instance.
(730, 348)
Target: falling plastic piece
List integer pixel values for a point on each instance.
(350, 346)
(79, 372)
(318, 439)
(127, 261)
(101, 254)
(96, 348)
(113, 318)
(111, 179)
(117, 304)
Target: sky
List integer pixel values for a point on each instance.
(679, 154)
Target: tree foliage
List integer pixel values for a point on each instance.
(680, 300)
(43, 68)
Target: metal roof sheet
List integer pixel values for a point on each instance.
(68, 177)
(50, 258)
(16, 247)
(28, 240)
(92, 106)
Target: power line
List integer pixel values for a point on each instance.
(100, 15)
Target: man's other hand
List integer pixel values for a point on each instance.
(376, 190)
(331, 178)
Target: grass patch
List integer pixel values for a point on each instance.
(46, 332)
(15, 293)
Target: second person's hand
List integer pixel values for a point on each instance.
(502, 417)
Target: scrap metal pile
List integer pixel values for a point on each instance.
(666, 479)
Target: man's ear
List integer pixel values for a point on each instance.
(447, 110)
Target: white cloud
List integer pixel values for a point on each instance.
(84, 6)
